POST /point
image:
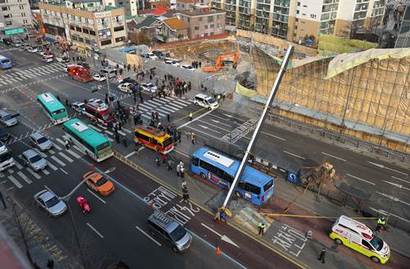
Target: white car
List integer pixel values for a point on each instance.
(50, 202)
(78, 106)
(99, 77)
(149, 87)
(152, 56)
(62, 59)
(187, 67)
(172, 62)
(32, 49)
(48, 58)
(125, 87)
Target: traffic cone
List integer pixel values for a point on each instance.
(218, 251)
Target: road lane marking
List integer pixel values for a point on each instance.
(15, 181)
(210, 129)
(182, 153)
(274, 136)
(51, 151)
(34, 174)
(388, 168)
(64, 171)
(217, 121)
(222, 236)
(60, 141)
(74, 154)
(96, 196)
(392, 198)
(57, 147)
(400, 179)
(147, 235)
(397, 185)
(216, 126)
(361, 179)
(122, 133)
(52, 166)
(24, 177)
(127, 130)
(294, 155)
(108, 132)
(57, 160)
(45, 171)
(65, 157)
(194, 119)
(95, 230)
(18, 165)
(333, 156)
(130, 154)
(95, 128)
(386, 213)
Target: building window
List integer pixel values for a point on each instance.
(85, 31)
(297, 11)
(196, 28)
(4, 8)
(74, 38)
(298, 4)
(200, 19)
(210, 18)
(78, 29)
(23, 14)
(80, 39)
(206, 26)
(2, 1)
(7, 16)
(120, 39)
(25, 21)
(211, 26)
(8, 23)
(92, 32)
(119, 28)
(106, 42)
(72, 28)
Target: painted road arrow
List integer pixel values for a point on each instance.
(223, 237)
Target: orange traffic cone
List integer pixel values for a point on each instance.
(218, 251)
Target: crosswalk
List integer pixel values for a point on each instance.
(57, 158)
(16, 75)
(164, 106)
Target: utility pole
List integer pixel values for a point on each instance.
(258, 125)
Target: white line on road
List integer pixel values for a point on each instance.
(385, 213)
(37, 176)
(19, 166)
(57, 160)
(294, 155)
(130, 154)
(397, 185)
(212, 230)
(182, 153)
(95, 230)
(393, 198)
(45, 171)
(95, 128)
(401, 179)
(194, 119)
(65, 157)
(60, 141)
(24, 177)
(74, 154)
(361, 179)
(388, 168)
(15, 181)
(333, 156)
(147, 235)
(274, 136)
(108, 132)
(52, 166)
(96, 196)
(127, 130)
(64, 171)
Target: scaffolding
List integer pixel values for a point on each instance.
(364, 95)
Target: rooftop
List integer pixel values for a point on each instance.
(200, 12)
(147, 22)
(175, 23)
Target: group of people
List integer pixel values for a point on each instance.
(196, 64)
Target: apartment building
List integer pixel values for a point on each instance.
(203, 22)
(85, 23)
(15, 13)
(295, 19)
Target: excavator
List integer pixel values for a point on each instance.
(220, 61)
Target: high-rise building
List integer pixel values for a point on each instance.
(15, 13)
(295, 20)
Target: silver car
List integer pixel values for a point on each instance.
(50, 202)
(8, 119)
(40, 141)
(34, 159)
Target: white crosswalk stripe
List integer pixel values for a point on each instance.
(57, 147)
(65, 157)
(15, 181)
(34, 174)
(45, 171)
(19, 166)
(57, 160)
(24, 177)
(75, 155)
(52, 166)
(51, 151)
(30, 73)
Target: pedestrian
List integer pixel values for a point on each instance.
(157, 161)
(67, 144)
(157, 115)
(190, 116)
(168, 118)
(169, 164)
(179, 136)
(182, 171)
(322, 255)
(261, 228)
(183, 184)
(163, 157)
(3, 201)
(66, 102)
(50, 264)
(141, 99)
(185, 194)
(193, 138)
(178, 170)
(381, 224)
(117, 137)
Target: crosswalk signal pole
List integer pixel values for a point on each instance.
(259, 124)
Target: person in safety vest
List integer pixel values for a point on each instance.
(381, 224)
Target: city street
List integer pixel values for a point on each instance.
(117, 227)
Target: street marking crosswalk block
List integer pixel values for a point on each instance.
(52, 166)
(65, 157)
(18, 165)
(15, 181)
(24, 177)
(45, 171)
(75, 155)
(37, 176)
(57, 160)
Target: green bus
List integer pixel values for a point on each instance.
(54, 109)
(88, 140)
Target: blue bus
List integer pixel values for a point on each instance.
(220, 170)
(5, 63)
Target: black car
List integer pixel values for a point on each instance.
(4, 135)
(129, 80)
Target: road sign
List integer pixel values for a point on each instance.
(14, 31)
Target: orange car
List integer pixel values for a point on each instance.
(98, 183)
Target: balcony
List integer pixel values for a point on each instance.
(246, 11)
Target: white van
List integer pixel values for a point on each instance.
(361, 238)
(206, 101)
(108, 72)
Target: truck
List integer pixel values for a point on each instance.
(79, 73)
